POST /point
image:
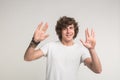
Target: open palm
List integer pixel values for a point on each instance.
(40, 32)
(90, 39)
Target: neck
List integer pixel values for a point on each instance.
(67, 43)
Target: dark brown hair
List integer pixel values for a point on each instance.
(64, 22)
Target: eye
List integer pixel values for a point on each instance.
(71, 27)
(64, 28)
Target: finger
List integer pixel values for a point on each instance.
(82, 42)
(45, 27)
(39, 26)
(87, 31)
(86, 34)
(92, 33)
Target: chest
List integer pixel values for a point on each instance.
(65, 56)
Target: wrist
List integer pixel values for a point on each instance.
(33, 43)
(36, 43)
(92, 50)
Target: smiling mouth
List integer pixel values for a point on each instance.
(68, 35)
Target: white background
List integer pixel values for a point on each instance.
(19, 19)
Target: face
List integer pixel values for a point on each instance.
(68, 33)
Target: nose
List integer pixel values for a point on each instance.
(68, 30)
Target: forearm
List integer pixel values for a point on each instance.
(30, 51)
(95, 64)
(39, 35)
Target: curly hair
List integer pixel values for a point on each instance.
(64, 22)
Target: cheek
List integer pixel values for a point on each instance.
(73, 31)
(63, 32)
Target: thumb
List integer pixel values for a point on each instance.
(46, 35)
(82, 41)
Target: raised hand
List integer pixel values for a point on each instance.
(90, 39)
(40, 32)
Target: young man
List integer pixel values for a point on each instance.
(64, 56)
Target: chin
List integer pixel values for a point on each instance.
(69, 39)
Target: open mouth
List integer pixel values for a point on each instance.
(69, 35)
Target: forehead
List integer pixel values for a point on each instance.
(69, 26)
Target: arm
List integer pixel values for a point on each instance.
(93, 63)
(39, 35)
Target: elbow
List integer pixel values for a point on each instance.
(98, 71)
(27, 59)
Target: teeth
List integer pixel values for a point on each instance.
(68, 35)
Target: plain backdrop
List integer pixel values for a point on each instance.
(19, 19)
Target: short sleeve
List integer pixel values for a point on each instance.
(45, 49)
(85, 54)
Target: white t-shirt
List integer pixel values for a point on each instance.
(63, 61)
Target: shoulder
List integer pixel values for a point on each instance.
(81, 47)
(50, 44)
(53, 43)
(79, 44)
(47, 47)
